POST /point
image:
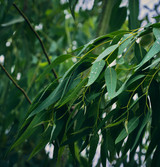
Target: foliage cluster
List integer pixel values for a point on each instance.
(106, 93)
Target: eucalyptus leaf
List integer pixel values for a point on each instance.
(132, 124)
(126, 40)
(56, 62)
(13, 21)
(152, 52)
(96, 69)
(106, 52)
(156, 32)
(93, 146)
(144, 123)
(111, 81)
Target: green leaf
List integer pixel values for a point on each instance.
(152, 52)
(132, 124)
(106, 52)
(52, 98)
(96, 69)
(153, 64)
(156, 157)
(56, 94)
(31, 128)
(108, 116)
(104, 153)
(55, 62)
(72, 94)
(140, 52)
(93, 146)
(117, 13)
(144, 123)
(72, 4)
(13, 21)
(42, 143)
(126, 40)
(56, 129)
(76, 136)
(156, 32)
(133, 14)
(111, 81)
(116, 123)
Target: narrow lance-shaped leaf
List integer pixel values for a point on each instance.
(93, 146)
(154, 63)
(42, 143)
(156, 32)
(124, 43)
(72, 4)
(152, 52)
(13, 21)
(73, 94)
(134, 12)
(111, 81)
(132, 124)
(96, 69)
(144, 123)
(56, 62)
(106, 52)
(31, 128)
(56, 94)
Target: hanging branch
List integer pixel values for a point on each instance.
(14, 82)
(38, 37)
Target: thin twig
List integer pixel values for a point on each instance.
(38, 37)
(13, 81)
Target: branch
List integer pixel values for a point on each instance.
(13, 81)
(38, 37)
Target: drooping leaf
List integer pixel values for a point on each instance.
(93, 146)
(13, 21)
(152, 52)
(126, 40)
(117, 12)
(132, 124)
(52, 98)
(133, 14)
(56, 62)
(108, 116)
(76, 136)
(56, 94)
(106, 52)
(140, 52)
(96, 69)
(42, 143)
(153, 64)
(72, 4)
(144, 123)
(103, 153)
(156, 157)
(73, 94)
(156, 32)
(56, 129)
(111, 81)
(31, 128)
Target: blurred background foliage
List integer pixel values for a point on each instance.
(22, 55)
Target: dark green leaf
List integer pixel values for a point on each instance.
(133, 14)
(152, 52)
(144, 123)
(93, 147)
(132, 124)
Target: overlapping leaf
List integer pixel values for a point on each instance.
(95, 71)
(111, 81)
